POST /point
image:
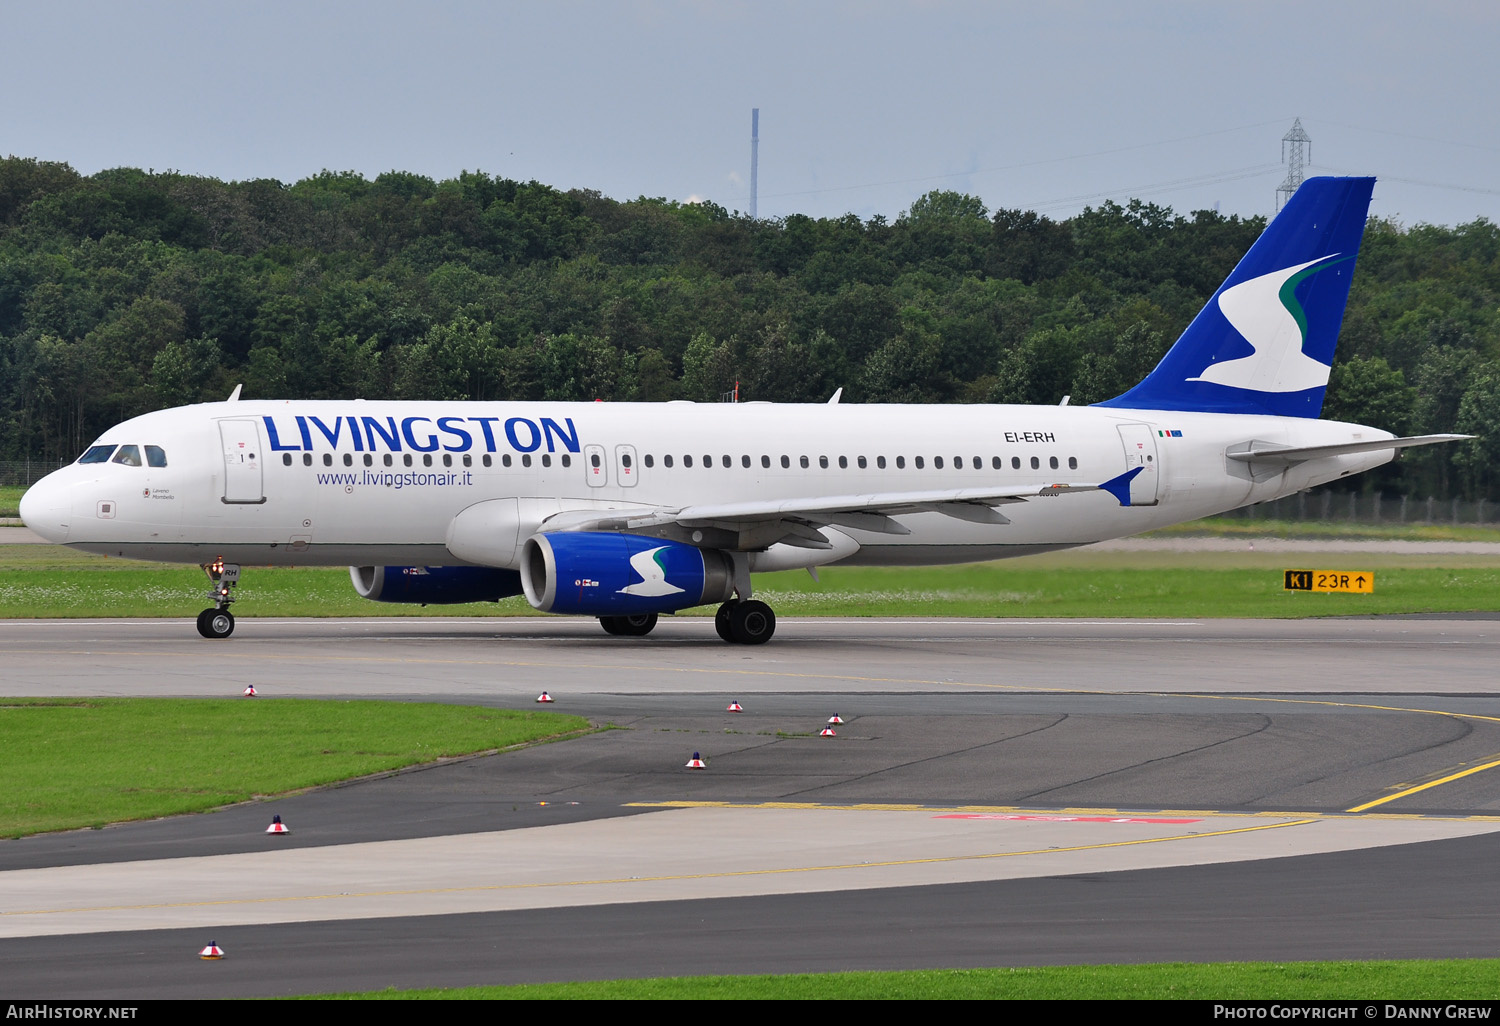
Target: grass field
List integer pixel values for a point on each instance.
(87, 762)
(1477, 980)
(51, 581)
(1239, 527)
(10, 500)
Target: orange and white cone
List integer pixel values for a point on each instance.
(835, 718)
(827, 732)
(696, 762)
(249, 690)
(211, 952)
(278, 827)
(735, 707)
(544, 698)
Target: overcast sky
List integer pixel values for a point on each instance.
(864, 106)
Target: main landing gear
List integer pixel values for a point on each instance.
(629, 626)
(217, 621)
(745, 622)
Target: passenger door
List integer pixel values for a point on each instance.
(1140, 451)
(243, 454)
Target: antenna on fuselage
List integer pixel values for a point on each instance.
(234, 396)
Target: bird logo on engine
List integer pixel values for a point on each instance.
(653, 575)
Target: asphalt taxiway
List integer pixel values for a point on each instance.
(1002, 792)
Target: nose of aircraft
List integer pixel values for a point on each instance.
(45, 508)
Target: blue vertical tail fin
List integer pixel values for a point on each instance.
(1264, 343)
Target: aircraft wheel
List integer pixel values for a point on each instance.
(216, 623)
(635, 626)
(638, 626)
(721, 621)
(751, 623)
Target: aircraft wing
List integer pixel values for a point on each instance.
(795, 521)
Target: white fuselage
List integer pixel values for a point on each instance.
(372, 483)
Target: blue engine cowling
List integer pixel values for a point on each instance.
(594, 573)
(434, 585)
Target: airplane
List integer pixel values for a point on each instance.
(626, 511)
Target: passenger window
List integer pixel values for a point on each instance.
(328, 459)
(405, 460)
(862, 463)
(708, 461)
(666, 460)
(1015, 463)
(650, 460)
(687, 461)
(803, 461)
(594, 460)
(469, 460)
(917, 462)
(97, 454)
(567, 460)
(427, 459)
(447, 459)
(978, 463)
(823, 462)
(348, 460)
(995, 462)
(546, 460)
(1072, 462)
(786, 462)
(745, 461)
(286, 459)
(369, 460)
(387, 460)
(1036, 464)
(306, 458)
(157, 457)
(1053, 462)
(765, 461)
(624, 460)
(843, 463)
(487, 460)
(526, 459)
(900, 462)
(880, 462)
(129, 455)
(727, 461)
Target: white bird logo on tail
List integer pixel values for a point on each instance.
(653, 575)
(1265, 312)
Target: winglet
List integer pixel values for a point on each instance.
(838, 394)
(234, 396)
(1119, 487)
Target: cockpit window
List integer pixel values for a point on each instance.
(97, 454)
(156, 456)
(130, 455)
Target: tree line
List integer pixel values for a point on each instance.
(128, 291)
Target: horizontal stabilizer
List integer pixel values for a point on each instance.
(1288, 455)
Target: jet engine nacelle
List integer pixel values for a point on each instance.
(434, 585)
(595, 573)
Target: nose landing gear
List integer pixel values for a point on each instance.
(217, 621)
